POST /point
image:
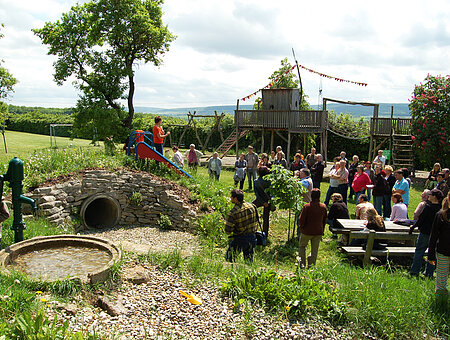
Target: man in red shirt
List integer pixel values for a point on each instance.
(158, 135)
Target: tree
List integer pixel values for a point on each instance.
(284, 78)
(100, 43)
(285, 191)
(7, 82)
(430, 112)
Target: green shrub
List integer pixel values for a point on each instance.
(212, 227)
(164, 222)
(299, 296)
(136, 198)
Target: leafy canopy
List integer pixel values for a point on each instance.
(430, 112)
(285, 189)
(284, 78)
(100, 43)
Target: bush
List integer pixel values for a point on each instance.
(164, 222)
(430, 111)
(36, 122)
(299, 296)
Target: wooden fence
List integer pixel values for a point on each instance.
(386, 126)
(293, 121)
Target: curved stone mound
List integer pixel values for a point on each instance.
(98, 272)
(104, 199)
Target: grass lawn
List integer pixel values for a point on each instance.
(379, 300)
(278, 232)
(21, 144)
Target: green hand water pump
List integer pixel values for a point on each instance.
(14, 176)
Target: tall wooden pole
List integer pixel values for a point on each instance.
(236, 122)
(300, 80)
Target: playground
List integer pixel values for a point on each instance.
(191, 260)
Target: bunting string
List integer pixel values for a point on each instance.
(309, 70)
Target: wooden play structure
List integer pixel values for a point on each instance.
(191, 124)
(280, 113)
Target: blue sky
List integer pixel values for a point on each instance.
(226, 50)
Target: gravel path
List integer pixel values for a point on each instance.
(142, 240)
(156, 310)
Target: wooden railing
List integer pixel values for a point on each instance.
(384, 126)
(307, 121)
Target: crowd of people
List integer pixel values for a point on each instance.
(380, 194)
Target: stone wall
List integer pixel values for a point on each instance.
(58, 203)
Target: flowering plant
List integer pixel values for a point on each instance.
(430, 112)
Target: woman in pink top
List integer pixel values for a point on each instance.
(399, 210)
(360, 182)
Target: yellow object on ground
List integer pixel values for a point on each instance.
(195, 300)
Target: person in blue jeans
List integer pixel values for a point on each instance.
(369, 171)
(241, 223)
(379, 190)
(334, 183)
(252, 166)
(425, 224)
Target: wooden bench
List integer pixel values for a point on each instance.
(371, 236)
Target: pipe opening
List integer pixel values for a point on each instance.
(100, 211)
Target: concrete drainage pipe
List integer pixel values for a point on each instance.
(100, 211)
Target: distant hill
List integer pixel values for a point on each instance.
(400, 110)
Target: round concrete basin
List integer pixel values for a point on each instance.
(59, 257)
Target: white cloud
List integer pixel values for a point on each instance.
(227, 49)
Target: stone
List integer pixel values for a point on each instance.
(52, 211)
(46, 199)
(47, 205)
(113, 308)
(137, 274)
(43, 191)
(69, 308)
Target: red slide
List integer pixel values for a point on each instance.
(143, 150)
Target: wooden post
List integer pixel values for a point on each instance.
(271, 141)
(304, 144)
(288, 154)
(369, 247)
(236, 122)
(372, 122)
(262, 140)
(325, 133)
(391, 135)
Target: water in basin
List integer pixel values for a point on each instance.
(61, 262)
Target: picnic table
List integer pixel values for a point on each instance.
(399, 234)
(347, 226)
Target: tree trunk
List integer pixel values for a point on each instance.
(129, 120)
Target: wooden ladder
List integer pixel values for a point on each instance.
(229, 142)
(402, 152)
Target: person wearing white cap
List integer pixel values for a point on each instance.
(193, 156)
